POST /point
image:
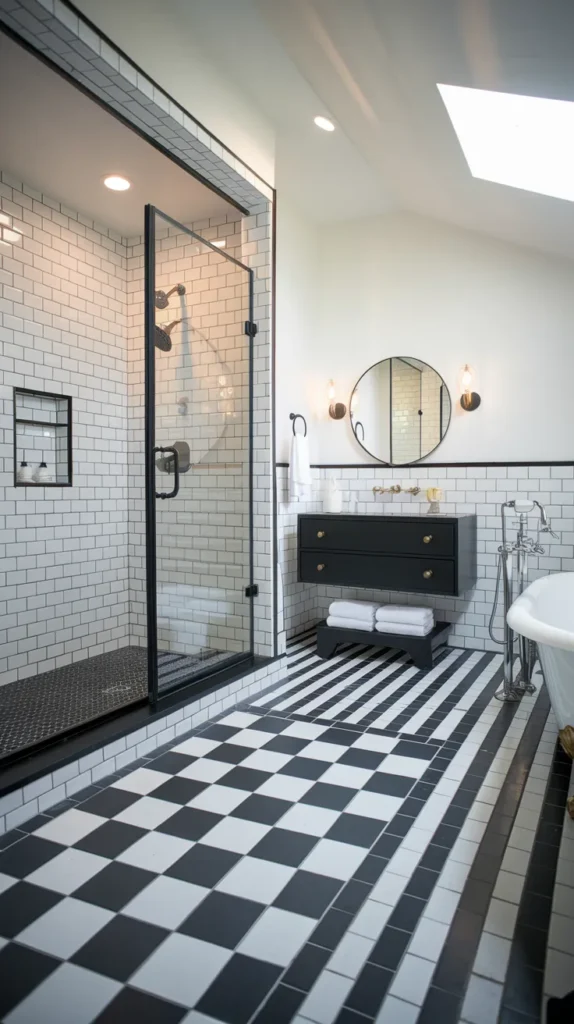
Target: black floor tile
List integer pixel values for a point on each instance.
(386, 845)
(335, 798)
(386, 782)
(347, 1016)
(28, 854)
(203, 865)
(407, 748)
(31, 826)
(455, 816)
(440, 1008)
(305, 768)
(371, 869)
(399, 826)
(269, 723)
(179, 791)
(331, 929)
(238, 990)
(458, 953)
(22, 904)
(355, 829)
(21, 971)
(109, 802)
(407, 913)
(281, 1007)
(284, 847)
(248, 779)
(535, 910)
(222, 919)
(219, 732)
(342, 736)
(308, 894)
(362, 758)
(422, 883)
(231, 753)
(523, 989)
(306, 967)
(190, 823)
(264, 809)
(476, 896)
(389, 948)
(171, 762)
(369, 990)
(352, 896)
(140, 1008)
(286, 744)
(529, 946)
(434, 858)
(485, 867)
(114, 886)
(110, 839)
(120, 947)
(509, 1016)
(412, 807)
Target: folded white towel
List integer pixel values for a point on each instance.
(405, 613)
(300, 482)
(353, 610)
(404, 629)
(342, 623)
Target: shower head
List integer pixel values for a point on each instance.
(162, 298)
(162, 335)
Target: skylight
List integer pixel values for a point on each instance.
(526, 142)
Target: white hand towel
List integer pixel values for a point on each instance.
(353, 610)
(404, 629)
(405, 613)
(342, 623)
(299, 469)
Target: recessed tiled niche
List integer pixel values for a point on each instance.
(42, 439)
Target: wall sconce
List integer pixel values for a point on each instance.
(336, 409)
(469, 399)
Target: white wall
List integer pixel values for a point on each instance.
(405, 285)
(165, 40)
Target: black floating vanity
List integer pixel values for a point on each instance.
(417, 554)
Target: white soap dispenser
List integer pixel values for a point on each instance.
(333, 500)
(42, 474)
(25, 473)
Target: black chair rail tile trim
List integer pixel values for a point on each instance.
(423, 465)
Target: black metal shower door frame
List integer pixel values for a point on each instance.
(151, 212)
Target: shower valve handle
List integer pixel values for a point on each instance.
(173, 451)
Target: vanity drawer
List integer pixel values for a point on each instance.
(366, 534)
(378, 572)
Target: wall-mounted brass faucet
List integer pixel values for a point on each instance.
(396, 489)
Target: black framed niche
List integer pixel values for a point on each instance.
(42, 439)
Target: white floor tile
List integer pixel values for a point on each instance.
(482, 1001)
(155, 852)
(473, 830)
(285, 787)
(266, 761)
(380, 744)
(196, 746)
(71, 995)
(165, 902)
(412, 979)
(454, 875)
(166, 973)
(277, 936)
(417, 839)
(389, 889)
(239, 720)
(403, 862)
(249, 738)
(313, 821)
(464, 851)
(148, 812)
(501, 918)
(371, 919)
(347, 775)
(442, 905)
(205, 770)
(254, 879)
(68, 871)
(559, 973)
(522, 838)
(304, 730)
(428, 939)
(337, 860)
(515, 861)
(236, 835)
(411, 767)
(319, 751)
(492, 957)
(561, 934)
(350, 955)
(326, 998)
(563, 900)
(142, 781)
(508, 887)
(375, 805)
(6, 882)
(565, 872)
(63, 929)
(219, 799)
(70, 827)
(395, 1011)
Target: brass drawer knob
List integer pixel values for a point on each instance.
(427, 539)
(320, 534)
(320, 567)
(427, 574)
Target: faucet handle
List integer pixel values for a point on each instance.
(548, 529)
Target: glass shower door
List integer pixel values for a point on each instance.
(198, 455)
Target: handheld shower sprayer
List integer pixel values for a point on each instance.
(512, 690)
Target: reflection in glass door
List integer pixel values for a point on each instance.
(198, 455)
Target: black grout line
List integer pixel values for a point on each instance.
(524, 982)
(454, 967)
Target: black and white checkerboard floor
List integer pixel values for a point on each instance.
(301, 859)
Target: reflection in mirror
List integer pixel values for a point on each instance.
(400, 410)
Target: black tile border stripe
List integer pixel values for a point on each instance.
(454, 967)
(524, 983)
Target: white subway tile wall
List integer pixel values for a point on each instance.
(478, 490)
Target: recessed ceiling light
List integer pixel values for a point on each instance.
(116, 183)
(521, 141)
(219, 243)
(324, 123)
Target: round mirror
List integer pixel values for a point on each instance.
(400, 410)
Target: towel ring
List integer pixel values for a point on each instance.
(357, 425)
(297, 416)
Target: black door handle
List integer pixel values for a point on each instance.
(173, 451)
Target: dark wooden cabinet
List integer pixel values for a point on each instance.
(412, 554)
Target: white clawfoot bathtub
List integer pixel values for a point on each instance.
(545, 613)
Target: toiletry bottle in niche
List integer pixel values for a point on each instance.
(25, 473)
(42, 474)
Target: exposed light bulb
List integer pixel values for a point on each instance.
(466, 380)
(324, 123)
(331, 392)
(117, 183)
